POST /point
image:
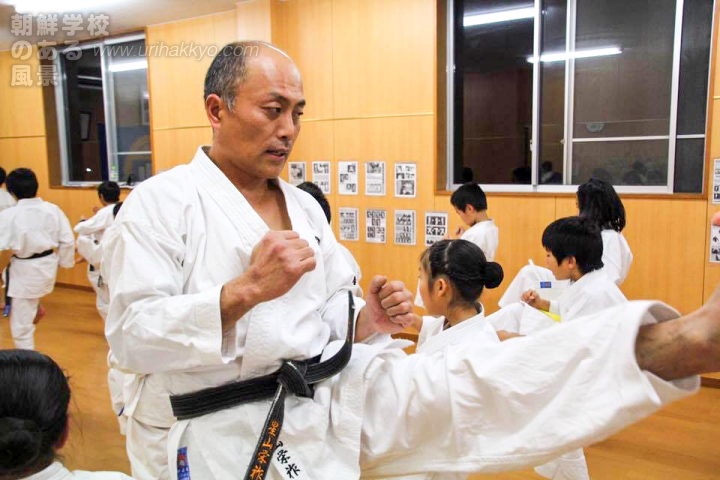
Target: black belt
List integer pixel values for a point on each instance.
(8, 300)
(294, 377)
(46, 253)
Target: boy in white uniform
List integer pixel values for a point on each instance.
(40, 237)
(470, 203)
(6, 200)
(597, 202)
(90, 233)
(573, 252)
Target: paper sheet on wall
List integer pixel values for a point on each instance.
(435, 227)
(405, 227)
(348, 176)
(321, 176)
(716, 181)
(405, 180)
(296, 173)
(349, 224)
(714, 244)
(375, 226)
(375, 179)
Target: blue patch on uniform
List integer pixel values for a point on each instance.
(183, 466)
(545, 284)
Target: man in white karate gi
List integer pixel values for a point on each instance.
(219, 272)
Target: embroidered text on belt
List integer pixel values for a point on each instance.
(294, 377)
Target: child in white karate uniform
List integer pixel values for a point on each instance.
(598, 202)
(470, 203)
(90, 233)
(39, 235)
(573, 252)
(453, 274)
(34, 419)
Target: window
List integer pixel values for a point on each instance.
(616, 89)
(102, 106)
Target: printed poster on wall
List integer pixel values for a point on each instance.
(405, 227)
(296, 173)
(348, 178)
(716, 181)
(375, 226)
(714, 244)
(435, 227)
(375, 179)
(349, 224)
(321, 176)
(406, 180)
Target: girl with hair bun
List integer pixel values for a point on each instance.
(34, 419)
(453, 274)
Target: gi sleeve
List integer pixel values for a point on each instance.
(66, 241)
(152, 325)
(94, 224)
(515, 404)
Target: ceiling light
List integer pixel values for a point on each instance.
(559, 57)
(128, 66)
(499, 17)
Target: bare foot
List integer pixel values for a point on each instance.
(708, 325)
(39, 315)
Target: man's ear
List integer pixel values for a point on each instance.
(470, 210)
(213, 107)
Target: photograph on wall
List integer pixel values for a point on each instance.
(405, 227)
(375, 179)
(375, 226)
(349, 224)
(436, 224)
(296, 173)
(405, 180)
(321, 176)
(348, 175)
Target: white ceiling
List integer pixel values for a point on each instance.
(124, 15)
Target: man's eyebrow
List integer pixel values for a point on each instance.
(283, 99)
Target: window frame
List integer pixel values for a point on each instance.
(108, 103)
(567, 186)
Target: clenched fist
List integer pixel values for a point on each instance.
(276, 265)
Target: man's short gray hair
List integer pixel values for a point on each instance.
(229, 69)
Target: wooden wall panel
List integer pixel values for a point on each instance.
(520, 222)
(310, 48)
(667, 238)
(176, 82)
(253, 19)
(22, 107)
(393, 140)
(178, 146)
(383, 57)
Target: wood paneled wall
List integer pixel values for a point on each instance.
(369, 69)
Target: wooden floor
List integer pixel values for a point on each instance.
(682, 442)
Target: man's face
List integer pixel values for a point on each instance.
(560, 271)
(258, 134)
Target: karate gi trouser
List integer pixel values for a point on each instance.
(571, 466)
(21, 322)
(147, 450)
(116, 381)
